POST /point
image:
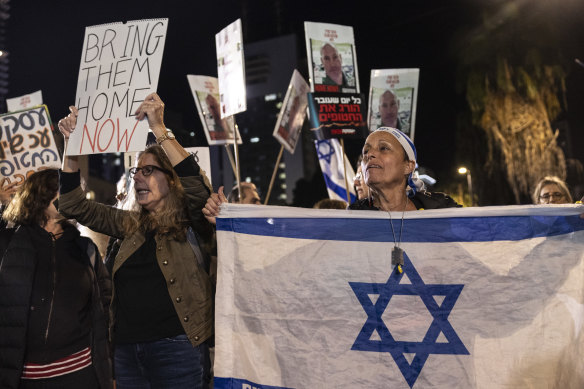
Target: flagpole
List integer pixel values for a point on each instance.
(274, 174)
(237, 176)
(230, 156)
(345, 170)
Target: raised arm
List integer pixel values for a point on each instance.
(153, 109)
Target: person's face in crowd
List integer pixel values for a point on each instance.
(384, 163)
(151, 190)
(331, 60)
(551, 194)
(250, 196)
(51, 212)
(388, 107)
(359, 182)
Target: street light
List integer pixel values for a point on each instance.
(464, 170)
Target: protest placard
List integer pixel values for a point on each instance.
(337, 115)
(26, 144)
(332, 58)
(292, 113)
(25, 101)
(205, 91)
(120, 65)
(393, 95)
(203, 158)
(231, 69)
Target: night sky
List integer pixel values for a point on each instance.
(45, 40)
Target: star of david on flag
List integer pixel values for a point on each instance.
(489, 297)
(387, 343)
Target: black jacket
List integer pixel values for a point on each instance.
(422, 200)
(17, 269)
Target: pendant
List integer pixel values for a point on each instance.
(397, 256)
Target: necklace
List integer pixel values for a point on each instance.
(397, 254)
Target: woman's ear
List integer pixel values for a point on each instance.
(409, 167)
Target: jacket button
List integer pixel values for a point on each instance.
(165, 262)
(178, 299)
(186, 318)
(171, 280)
(196, 338)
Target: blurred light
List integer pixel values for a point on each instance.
(462, 170)
(282, 176)
(270, 221)
(192, 133)
(90, 195)
(282, 165)
(283, 186)
(270, 97)
(279, 105)
(254, 140)
(247, 179)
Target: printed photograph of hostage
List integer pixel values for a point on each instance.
(388, 110)
(219, 129)
(336, 70)
(292, 121)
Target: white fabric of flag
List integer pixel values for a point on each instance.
(489, 297)
(330, 156)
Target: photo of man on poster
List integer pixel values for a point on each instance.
(388, 110)
(332, 62)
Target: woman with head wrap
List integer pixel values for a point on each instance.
(389, 160)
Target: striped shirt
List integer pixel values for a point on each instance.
(70, 364)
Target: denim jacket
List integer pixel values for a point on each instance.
(189, 285)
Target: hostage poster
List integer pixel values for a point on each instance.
(206, 94)
(292, 113)
(393, 96)
(332, 58)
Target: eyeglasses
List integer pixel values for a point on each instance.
(554, 195)
(147, 170)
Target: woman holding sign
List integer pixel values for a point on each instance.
(162, 310)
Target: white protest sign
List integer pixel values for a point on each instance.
(205, 91)
(292, 113)
(332, 58)
(25, 101)
(120, 65)
(393, 96)
(26, 144)
(202, 157)
(231, 70)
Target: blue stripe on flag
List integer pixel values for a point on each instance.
(235, 383)
(468, 229)
(339, 190)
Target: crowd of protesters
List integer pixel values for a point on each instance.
(147, 317)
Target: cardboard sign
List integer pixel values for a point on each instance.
(25, 101)
(337, 115)
(203, 158)
(120, 65)
(231, 70)
(292, 113)
(332, 58)
(393, 96)
(206, 94)
(26, 144)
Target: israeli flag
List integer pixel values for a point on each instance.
(486, 298)
(331, 157)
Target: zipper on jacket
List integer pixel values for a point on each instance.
(54, 269)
